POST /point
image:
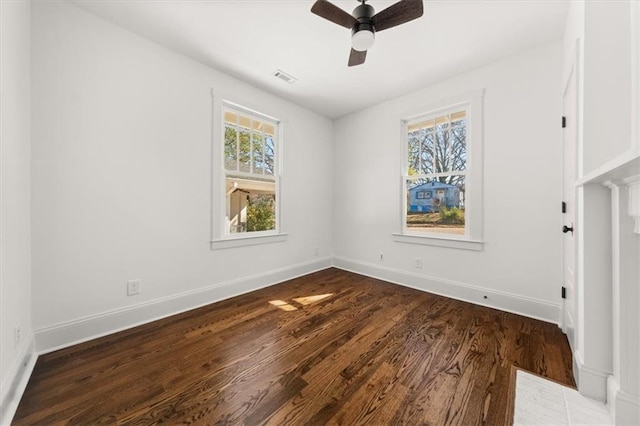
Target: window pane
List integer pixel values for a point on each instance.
(442, 123)
(245, 150)
(459, 123)
(413, 153)
(441, 149)
(456, 116)
(442, 144)
(257, 125)
(428, 124)
(427, 147)
(436, 205)
(269, 130)
(245, 122)
(269, 155)
(230, 148)
(258, 149)
(251, 205)
(230, 117)
(459, 148)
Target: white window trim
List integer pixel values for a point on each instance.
(472, 240)
(251, 240)
(220, 238)
(439, 241)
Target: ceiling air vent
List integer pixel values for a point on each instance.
(284, 76)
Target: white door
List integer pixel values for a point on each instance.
(570, 306)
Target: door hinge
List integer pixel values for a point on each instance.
(564, 292)
(564, 121)
(564, 207)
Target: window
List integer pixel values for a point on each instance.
(250, 179)
(437, 164)
(248, 142)
(441, 176)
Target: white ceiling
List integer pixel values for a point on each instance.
(250, 39)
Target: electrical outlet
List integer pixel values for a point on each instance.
(16, 335)
(418, 262)
(316, 251)
(381, 256)
(133, 287)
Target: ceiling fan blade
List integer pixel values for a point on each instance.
(356, 57)
(333, 13)
(396, 14)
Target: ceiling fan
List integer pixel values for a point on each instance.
(364, 22)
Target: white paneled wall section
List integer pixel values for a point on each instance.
(608, 351)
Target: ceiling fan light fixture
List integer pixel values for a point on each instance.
(364, 22)
(362, 40)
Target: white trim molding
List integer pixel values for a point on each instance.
(248, 240)
(627, 409)
(623, 406)
(633, 184)
(622, 385)
(591, 382)
(472, 102)
(49, 339)
(439, 242)
(220, 234)
(509, 302)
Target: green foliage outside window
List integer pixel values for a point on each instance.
(255, 151)
(453, 215)
(261, 212)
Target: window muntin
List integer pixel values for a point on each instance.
(436, 174)
(251, 181)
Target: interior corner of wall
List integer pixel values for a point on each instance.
(15, 382)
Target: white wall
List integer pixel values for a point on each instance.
(519, 268)
(607, 85)
(122, 134)
(15, 204)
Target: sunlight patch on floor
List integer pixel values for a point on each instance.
(307, 300)
(304, 300)
(283, 305)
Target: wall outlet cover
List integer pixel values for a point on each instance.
(133, 287)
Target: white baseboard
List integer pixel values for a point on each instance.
(612, 390)
(592, 382)
(627, 409)
(69, 333)
(624, 407)
(65, 334)
(526, 306)
(16, 381)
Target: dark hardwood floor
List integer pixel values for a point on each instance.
(370, 352)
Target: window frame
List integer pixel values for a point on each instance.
(220, 237)
(472, 103)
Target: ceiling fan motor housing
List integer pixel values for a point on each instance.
(362, 34)
(364, 22)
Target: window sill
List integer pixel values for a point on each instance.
(247, 241)
(474, 245)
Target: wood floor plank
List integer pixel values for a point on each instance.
(349, 349)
